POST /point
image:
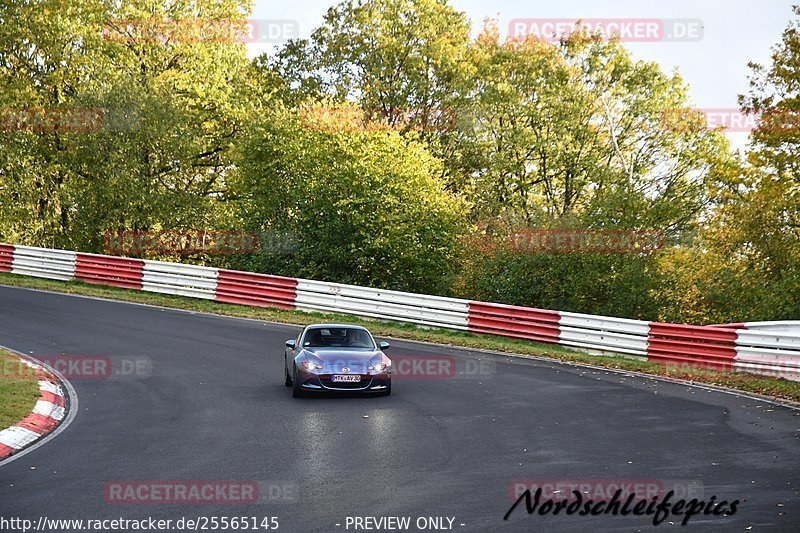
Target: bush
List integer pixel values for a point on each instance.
(602, 284)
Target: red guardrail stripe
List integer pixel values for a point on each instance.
(6, 257)
(691, 332)
(672, 358)
(500, 324)
(513, 311)
(238, 275)
(707, 351)
(703, 345)
(260, 290)
(109, 270)
(513, 321)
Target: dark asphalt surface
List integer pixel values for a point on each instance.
(214, 408)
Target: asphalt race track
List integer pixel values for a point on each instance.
(212, 406)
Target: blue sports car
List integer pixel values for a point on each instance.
(334, 357)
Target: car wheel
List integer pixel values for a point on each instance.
(297, 392)
(388, 390)
(287, 380)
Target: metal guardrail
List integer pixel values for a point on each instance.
(104, 270)
(620, 335)
(179, 279)
(780, 326)
(383, 304)
(514, 321)
(260, 290)
(6, 257)
(698, 345)
(768, 352)
(44, 263)
(771, 348)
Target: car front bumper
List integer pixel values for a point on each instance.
(322, 382)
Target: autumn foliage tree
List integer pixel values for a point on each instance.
(390, 148)
(577, 135)
(167, 95)
(747, 265)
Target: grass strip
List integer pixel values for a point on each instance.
(19, 389)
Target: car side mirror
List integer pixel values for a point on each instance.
(290, 344)
(384, 345)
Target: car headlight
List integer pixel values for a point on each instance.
(308, 365)
(379, 367)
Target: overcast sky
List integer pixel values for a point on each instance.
(714, 63)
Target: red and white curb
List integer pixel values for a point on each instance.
(47, 414)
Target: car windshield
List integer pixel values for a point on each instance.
(338, 337)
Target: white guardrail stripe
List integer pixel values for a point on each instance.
(776, 353)
(420, 309)
(781, 326)
(43, 263)
(622, 335)
(180, 279)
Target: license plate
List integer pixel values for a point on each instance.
(346, 378)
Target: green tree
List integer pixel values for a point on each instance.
(603, 284)
(746, 265)
(760, 214)
(364, 207)
(577, 135)
(168, 81)
(400, 60)
(579, 131)
(48, 55)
